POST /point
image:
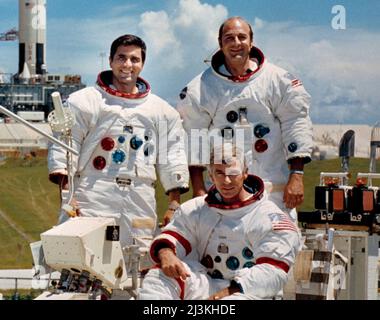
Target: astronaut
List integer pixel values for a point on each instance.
(232, 243)
(261, 107)
(123, 134)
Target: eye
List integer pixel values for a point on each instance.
(121, 59)
(227, 37)
(135, 60)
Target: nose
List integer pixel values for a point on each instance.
(237, 40)
(127, 62)
(227, 179)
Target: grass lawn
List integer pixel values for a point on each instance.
(22, 294)
(30, 205)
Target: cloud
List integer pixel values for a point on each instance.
(339, 68)
(258, 24)
(340, 95)
(159, 34)
(123, 9)
(79, 49)
(200, 22)
(178, 41)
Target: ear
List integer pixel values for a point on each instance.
(110, 60)
(220, 43)
(245, 174)
(211, 176)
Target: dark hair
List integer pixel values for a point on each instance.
(234, 18)
(128, 40)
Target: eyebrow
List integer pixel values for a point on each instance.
(122, 55)
(233, 34)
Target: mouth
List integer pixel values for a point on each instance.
(237, 52)
(126, 74)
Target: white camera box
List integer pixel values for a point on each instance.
(81, 244)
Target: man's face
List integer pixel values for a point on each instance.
(228, 179)
(235, 42)
(126, 66)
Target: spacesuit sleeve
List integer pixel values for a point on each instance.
(179, 235)
(57, 162)
(292, 107)
(274, 254)
(196, 122)
(171, 159)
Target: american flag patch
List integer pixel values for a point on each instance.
(281, 221)
(296, 83)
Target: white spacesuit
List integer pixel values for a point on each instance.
(252, 243)
(122, 140)
(266, 111)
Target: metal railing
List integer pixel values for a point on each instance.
(16, 294)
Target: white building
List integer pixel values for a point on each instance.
(16, 136)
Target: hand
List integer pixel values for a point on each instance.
(172, 266)
(221, 294)
(294, 191)
(174, 199)
(199, 193)
(168, 216)
(72, 210)
(75, 206)
(58, 178)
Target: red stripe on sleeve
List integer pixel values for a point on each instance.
(186, 244)
(273, 262)
(159, 244)
(181, 284)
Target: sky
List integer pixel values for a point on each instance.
(335, 51)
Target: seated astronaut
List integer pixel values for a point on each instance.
(232, 243)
